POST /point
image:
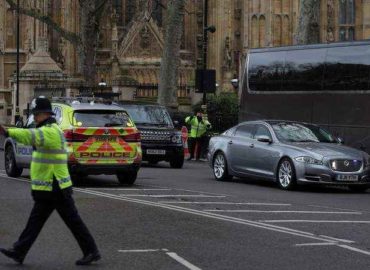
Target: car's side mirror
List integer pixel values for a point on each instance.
(264, 139)
(340, 140)
(19, 123)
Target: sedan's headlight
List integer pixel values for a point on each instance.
(309, 160)
(176, 139)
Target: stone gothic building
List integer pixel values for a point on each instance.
(130, 46)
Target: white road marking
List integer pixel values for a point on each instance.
(330, 207)
(184, 262)
(210, 215)
(314, 221)
(139, 250)
(129, 189)
(229, 203)
(213, 216)
(355, 249)
(189, 190)
(338, 239)
(282, 211)
(169, 196)
(316, 244)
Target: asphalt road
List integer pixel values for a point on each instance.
(183, 219)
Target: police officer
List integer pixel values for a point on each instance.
(51, 184)
(199, 127)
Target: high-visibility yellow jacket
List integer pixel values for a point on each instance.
(198, 128)
(49, 158)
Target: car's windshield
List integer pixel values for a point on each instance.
(298, 132)
(101, 118)
(149, 114)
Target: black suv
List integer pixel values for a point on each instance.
(160, 140)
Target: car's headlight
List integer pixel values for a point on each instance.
(309, 160)
(176, 139)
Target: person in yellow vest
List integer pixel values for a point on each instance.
(51, 184)
(197, 137)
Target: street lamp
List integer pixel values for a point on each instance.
(16, 115)
(206, 29)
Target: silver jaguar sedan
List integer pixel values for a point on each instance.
(289, 153)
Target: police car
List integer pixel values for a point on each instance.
(101, 139)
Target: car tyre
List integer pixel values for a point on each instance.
(359, 189)
(177, 162)
(219, 166)
(127, 177)
(285, 176)
(11, 167)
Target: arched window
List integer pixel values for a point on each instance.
(262, 31)
(255, 39)
(277, 30)
(285, 31)
(346, 20)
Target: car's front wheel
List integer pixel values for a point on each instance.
(127, 177)
(220, 167)
(286, 177)
(11, 167)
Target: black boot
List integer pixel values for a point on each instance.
(89, 258)
(11, 253)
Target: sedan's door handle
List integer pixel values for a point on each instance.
(251, 146)
(230, 142)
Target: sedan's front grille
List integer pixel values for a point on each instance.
(346, 165)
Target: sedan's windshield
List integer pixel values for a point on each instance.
(298, 132)
(149, 115)
(102, 118)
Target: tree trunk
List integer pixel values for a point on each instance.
(167, 92)
(89, 32)
(308, 31)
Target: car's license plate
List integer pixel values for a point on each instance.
(105, 139)
(155, 152)
(347, 177)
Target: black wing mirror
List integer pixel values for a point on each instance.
(264, 139)
(340, 140)
(19, 123)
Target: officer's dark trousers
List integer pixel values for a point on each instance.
(41, 211)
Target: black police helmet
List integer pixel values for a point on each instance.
(41, 105)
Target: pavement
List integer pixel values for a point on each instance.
(184, 219)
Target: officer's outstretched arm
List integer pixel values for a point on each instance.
(30, 136)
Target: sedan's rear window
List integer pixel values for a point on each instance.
(101, 118)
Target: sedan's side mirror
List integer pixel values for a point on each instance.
(19, 123)
(340, 140)
(264, 139)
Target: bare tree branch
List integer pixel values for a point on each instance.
(34, 13)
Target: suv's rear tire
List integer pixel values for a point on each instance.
(127, 177)
(177, 161)
(11, 167)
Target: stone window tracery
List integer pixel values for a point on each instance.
(346, 20)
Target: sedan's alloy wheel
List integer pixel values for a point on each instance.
(219, 166)
(285, 174)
